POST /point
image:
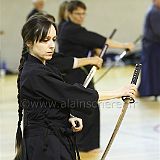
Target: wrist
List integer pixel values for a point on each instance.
(118, 94)
(91, 60)
(125, 45)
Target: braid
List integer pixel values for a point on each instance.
(34, 30)
(24, 52)
(20, 114)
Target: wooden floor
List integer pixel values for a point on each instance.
(138, 137)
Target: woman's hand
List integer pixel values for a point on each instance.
(77, 124)
(129, 46)
(129, 90)
(96, 61)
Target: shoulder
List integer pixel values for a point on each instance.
(36, 71)
(154, 15)
(154, 10)
(71, 27)
(32, 69)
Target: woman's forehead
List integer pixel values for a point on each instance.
(51, 32)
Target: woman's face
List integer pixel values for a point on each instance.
(45, 49)
(77, 16)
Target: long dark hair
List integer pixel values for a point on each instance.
(34, 30)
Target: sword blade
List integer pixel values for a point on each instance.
(120, 119)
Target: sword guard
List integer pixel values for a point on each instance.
(131, 100)
(127, 50)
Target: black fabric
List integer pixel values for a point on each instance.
(53, 152)
(60, 25)
(62, 62)
(55, 143)
(47, 101)
(89, 137)
(74, 40)
(47, 84)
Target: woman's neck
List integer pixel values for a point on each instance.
(42, 60)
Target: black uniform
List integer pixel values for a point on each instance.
(47, 101)
(60, 25)
(62, 62)
(76, 41)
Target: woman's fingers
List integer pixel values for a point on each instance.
(77, 124)
(129, 90)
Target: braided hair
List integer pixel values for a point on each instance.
(34, 30)
(20, 114)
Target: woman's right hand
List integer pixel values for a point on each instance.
(74, 121)
(97, 61)
(129, 46)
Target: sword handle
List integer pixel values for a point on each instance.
(135, 42)
(133, 81)
(77, 123)
(106, 45)
(113, 33)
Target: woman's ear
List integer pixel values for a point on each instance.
(29, 44)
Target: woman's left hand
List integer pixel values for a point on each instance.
(128, 90)
(77, 124)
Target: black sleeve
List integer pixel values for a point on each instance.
(62, 62)
(76, 97)
(81, 36)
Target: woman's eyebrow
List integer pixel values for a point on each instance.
(55, 37)
(49, 37)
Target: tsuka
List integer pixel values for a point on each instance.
(113, 33)
(136, 73)
(103, 50)
(77, 123)
(134, 81)
(106, 45)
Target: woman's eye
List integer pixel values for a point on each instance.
(45, 40)
(54, 39)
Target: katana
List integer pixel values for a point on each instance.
(126, 100)
(94, 68)
(124, 53)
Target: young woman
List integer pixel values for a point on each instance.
(46, 100)
(76, 41)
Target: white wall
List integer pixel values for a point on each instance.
(102, 16)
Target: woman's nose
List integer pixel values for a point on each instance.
(51, 44)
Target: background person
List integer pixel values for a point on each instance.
(150, 58)
(76, 41)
